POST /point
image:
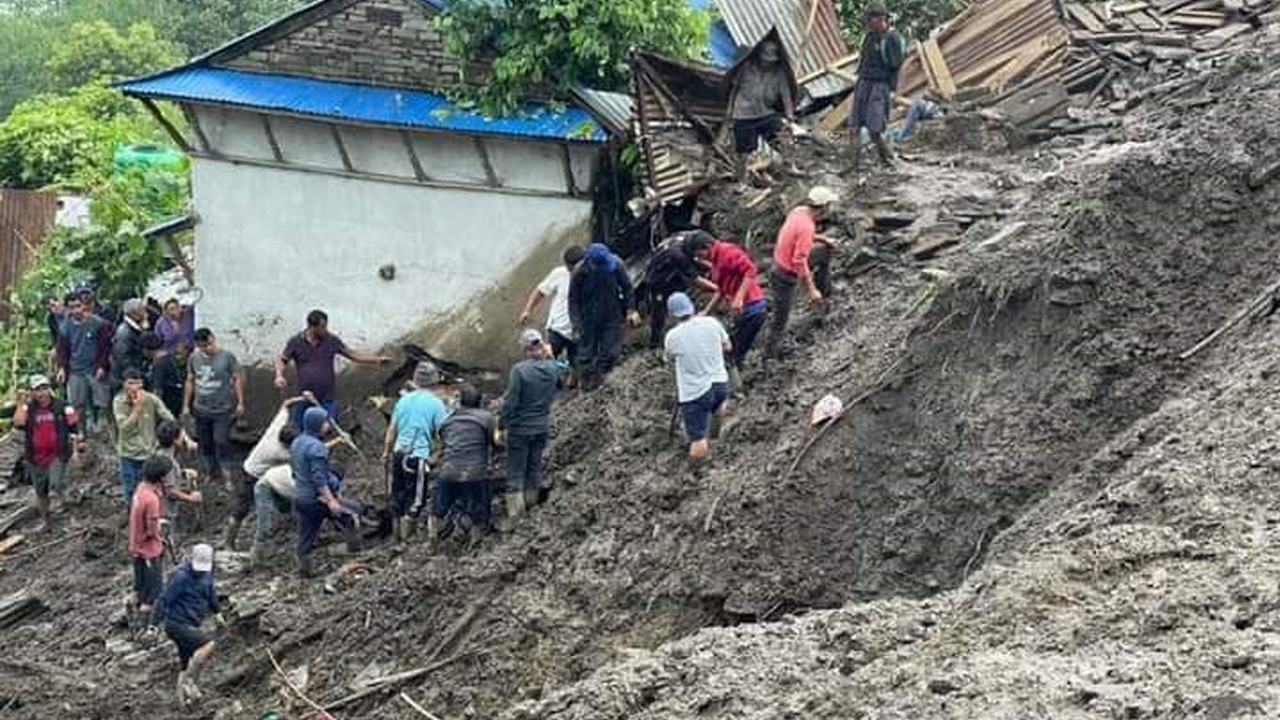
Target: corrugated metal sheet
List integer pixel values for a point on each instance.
(614, 110)
(750, 20)
(360, 103)
(25, 217)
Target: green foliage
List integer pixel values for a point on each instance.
(95, 52)
(69, 139)
(915, 19)
(543, 48)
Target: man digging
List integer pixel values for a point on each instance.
(186, 602)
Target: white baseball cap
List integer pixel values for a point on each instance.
(202, 558)
(822, 196)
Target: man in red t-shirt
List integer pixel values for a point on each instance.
(146, 540)
(52, 433)
(734, 281)
(801, 255)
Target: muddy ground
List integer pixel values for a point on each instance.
(1036, 509)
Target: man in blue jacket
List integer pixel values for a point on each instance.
(883, 51)
(318, 490)
(601, 302)
(190, 598)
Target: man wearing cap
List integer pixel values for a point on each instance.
(559, 324)
(526, 418)
(697, 345)
(407, 446)
(189, 598)
(138, 414)
(146, 537)
(84, 355)
(800, 256)
(127, 352)
(734, 281)
(312, 352)
(52, 438)
(883, 51)
(601, 303)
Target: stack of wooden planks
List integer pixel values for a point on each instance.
(1030, 59)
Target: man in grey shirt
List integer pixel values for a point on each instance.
(215, 398)
(763, 97)
(526, 418)
(84, 353)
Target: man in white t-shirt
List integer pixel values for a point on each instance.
(697, 345)
(559, 325)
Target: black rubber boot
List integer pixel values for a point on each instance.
(886, 155)
(306, 568)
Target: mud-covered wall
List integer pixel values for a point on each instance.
(274, 243)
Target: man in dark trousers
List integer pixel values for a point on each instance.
(407, 445)
(127, 352)
(312, 352)
(84, 356)
(763, 99)
(317, 496)
(189, 598)
(52, 434)
(735, 283)
(467, 440)
(526, 418)
(801, 256)
(882, 54)
(601, 303)
(215, 398)
(670, 270)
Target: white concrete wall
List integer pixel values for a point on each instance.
(273, 243)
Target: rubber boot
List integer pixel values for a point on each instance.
(355, 544)
(229, 533)
(306, 568)
(257, 553)
(42, 503)
(513, 503)
(530, 499)
(404, 528)
(856, 166)
(735, 380)
(433, 532)
(886, 155)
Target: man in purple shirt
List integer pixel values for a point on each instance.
(177, 327)
(312, 352)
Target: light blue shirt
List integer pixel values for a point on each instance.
(418, 416)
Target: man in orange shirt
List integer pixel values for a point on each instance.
(146, 542)
(800, 256)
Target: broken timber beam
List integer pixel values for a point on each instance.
(1262, 300)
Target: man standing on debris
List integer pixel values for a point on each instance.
(671, 270)
(190, 598)
(214, 396)
(126, 346)
(318, 491)
(312, 351)
(601, 304)
(526, 418)
(734, 279)
(415, 421)
(146, 539)
(883, 51)
(559, 324)
(138, 415)
(698, 346)
(762, 100)
(52, 433)
(801, 255)
(467, 439)
(84, 355)
(167, 381)
(270, 453)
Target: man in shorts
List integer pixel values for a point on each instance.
(187, 601)
(698, 345)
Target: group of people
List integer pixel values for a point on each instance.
(765, 100)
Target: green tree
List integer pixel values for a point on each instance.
(95, 52)
(202, 25)
(915, 19)
(69, 139)
(548, 46)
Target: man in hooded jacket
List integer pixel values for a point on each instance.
(601, 302)
(318, 490)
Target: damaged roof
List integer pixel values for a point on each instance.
(360, 103)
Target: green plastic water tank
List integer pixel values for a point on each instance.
(146, 156)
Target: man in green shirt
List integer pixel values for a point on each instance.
(138, 413)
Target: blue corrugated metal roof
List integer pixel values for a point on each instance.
(722, 48)
(360, 103)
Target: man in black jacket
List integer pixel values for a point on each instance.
(52, 436)
(881, 58)
(670, 270)
(127, 352)
(601, 303)
(526, 419)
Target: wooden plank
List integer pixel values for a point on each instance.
(1085, 17)
(1196, 22)
(11, 542)
(271, 138)
(927, 247)
(938, 67)
(418, 172)
(1124, 8)
(163, 121)
(491, 175)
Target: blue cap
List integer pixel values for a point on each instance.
(679, 305)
